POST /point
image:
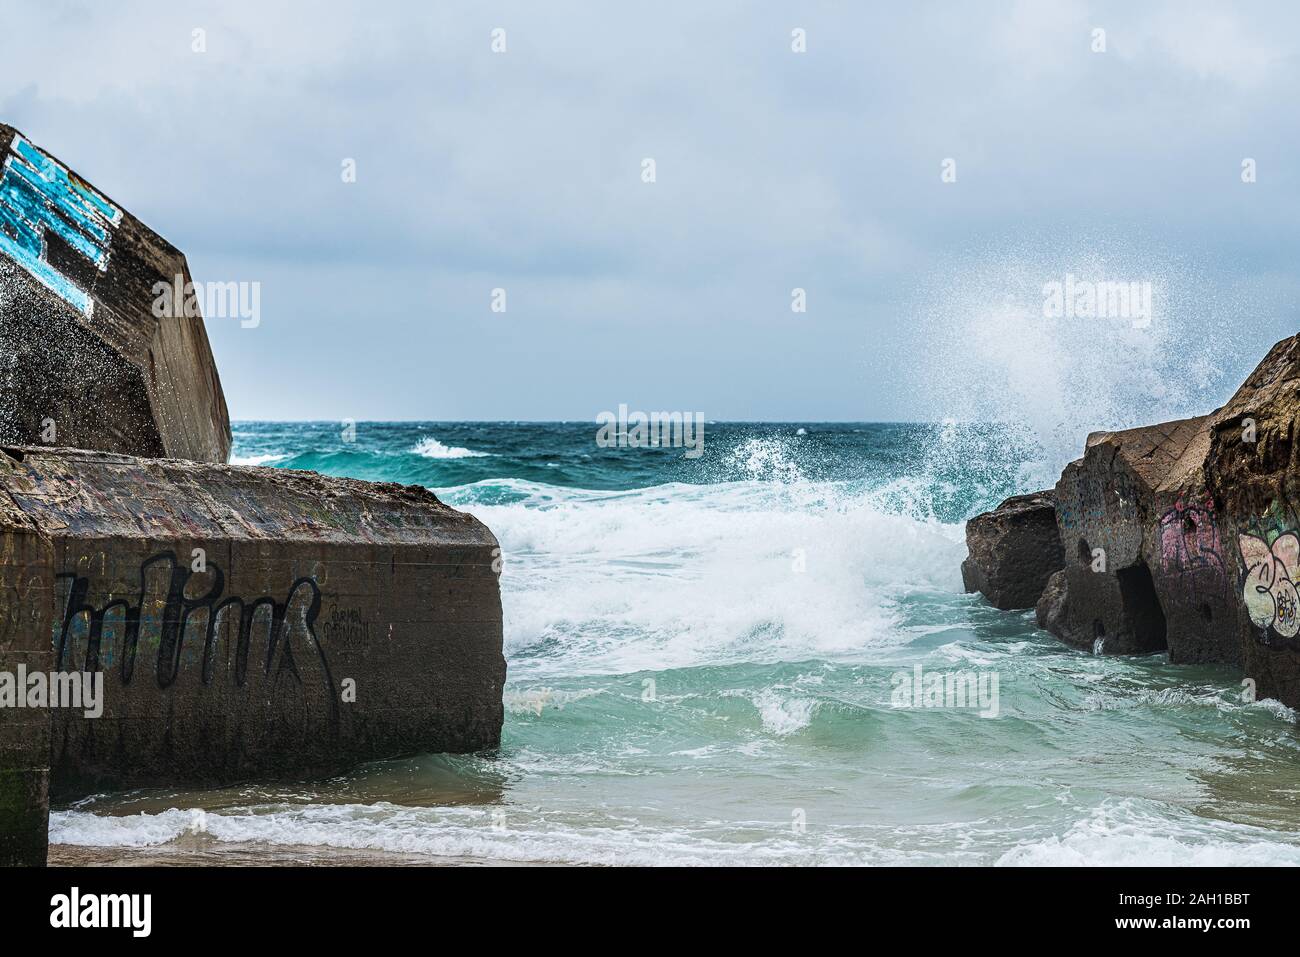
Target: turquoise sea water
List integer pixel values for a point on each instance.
(701, 670)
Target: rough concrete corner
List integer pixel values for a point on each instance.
(25, 575)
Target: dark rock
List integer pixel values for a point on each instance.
(1014, 550)
(84, 361)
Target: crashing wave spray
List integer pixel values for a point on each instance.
(1000, 351)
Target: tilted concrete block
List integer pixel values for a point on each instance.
(1145, 566)
(84, 360)
(249, 622)
(1252, 471)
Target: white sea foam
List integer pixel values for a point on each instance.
(782, 714)
(508, 833)
(1125, 832)
(683, 575)
(265, 458)
(431, 448)
(1131, 832)
(537, 700)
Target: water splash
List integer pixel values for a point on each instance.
(992, 355)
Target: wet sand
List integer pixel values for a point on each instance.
(204, 854)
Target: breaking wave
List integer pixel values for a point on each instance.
(431, 448)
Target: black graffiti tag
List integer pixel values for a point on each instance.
(278, 662)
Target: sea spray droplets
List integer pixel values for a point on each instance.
(990, 355)
(766, 460)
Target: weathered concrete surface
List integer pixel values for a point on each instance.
(1252, 470)
(1053, 608)
(1014, 549)
(332, 621)
(26, 599)
(81, 350)
(1146, 569)
(1185, 549)
(24, 816)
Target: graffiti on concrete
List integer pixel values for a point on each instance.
(1269, 583)
(346, 626)
(275, 640)
(1191, 552)
(38, 197)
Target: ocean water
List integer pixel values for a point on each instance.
(701, 671)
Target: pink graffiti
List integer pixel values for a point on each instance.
(1189, 537)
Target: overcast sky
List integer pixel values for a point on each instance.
(775, 169)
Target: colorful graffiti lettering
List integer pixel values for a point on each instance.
(37, 196)
(1269, 582)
